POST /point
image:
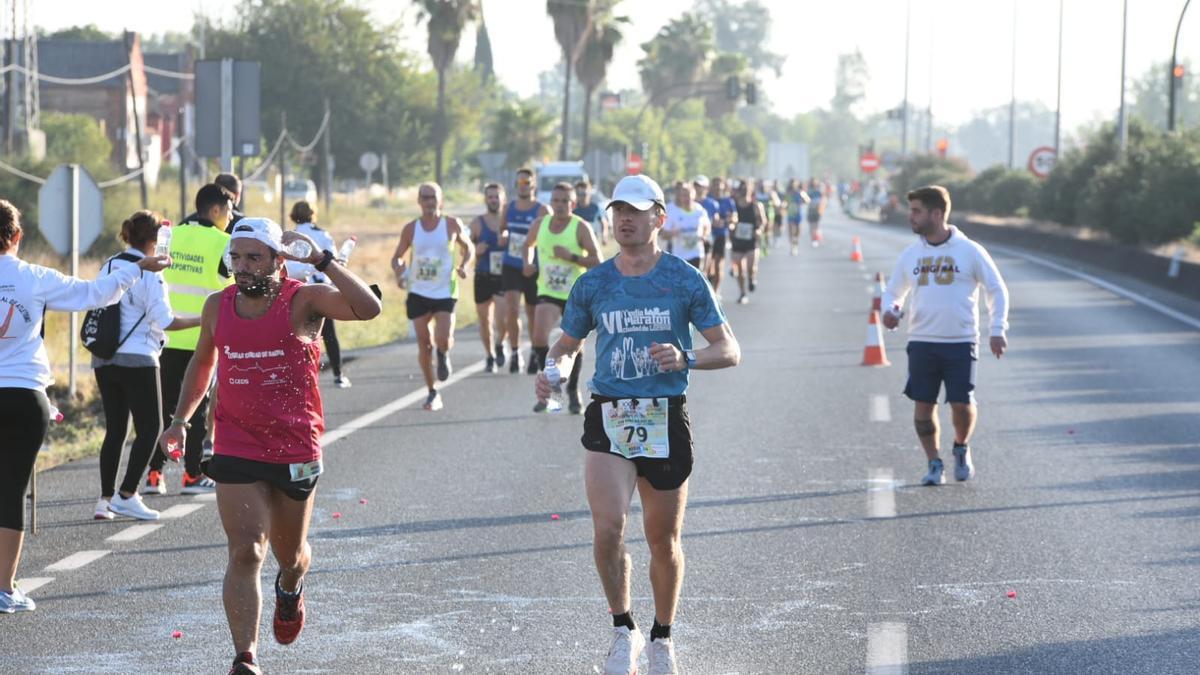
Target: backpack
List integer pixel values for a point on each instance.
(101, 331)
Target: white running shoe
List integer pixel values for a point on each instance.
(132, 507)
(662, 657)
(102, 512)
(936, 475)
(16, 602)
(627, 646)
(964, 468)
(342, 382)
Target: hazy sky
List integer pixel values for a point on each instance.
(971, 43)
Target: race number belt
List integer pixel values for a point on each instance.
(744, 231)
(305, 470)
(637, 427)
(495, 262)
(428, 269)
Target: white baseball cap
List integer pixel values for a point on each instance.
(701, 180)
(638, 191)
(262, 230)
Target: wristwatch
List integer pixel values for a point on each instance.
(690, 357)
(325, 260)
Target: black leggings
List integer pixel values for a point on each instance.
(23, 421)
(124, 391)
(332, 347)
(173, 365)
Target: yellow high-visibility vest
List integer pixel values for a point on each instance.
(196, 253)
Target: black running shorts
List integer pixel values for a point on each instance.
(513, 279)
(418, 306)
(663, 474)
(237, 471)
(487, 286)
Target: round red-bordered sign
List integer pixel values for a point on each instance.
(1041, 161)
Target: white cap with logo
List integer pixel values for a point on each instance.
(262, 230)
(638, 191)
(700, 180)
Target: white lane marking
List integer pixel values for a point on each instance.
(374, 416)
(33, 583)
(887, 648)
(881, 408)
(881, 494)
(1106, 285)
(205, 497)
(134, 532)
(76, 560)
(179, 511)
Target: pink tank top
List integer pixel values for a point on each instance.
(268, 403)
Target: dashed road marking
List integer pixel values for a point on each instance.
(76, 560)
(881, 408)
(887, 649)
(180, 510)
(881, 494)
(31, 584)
(134, 532)
(206, 497)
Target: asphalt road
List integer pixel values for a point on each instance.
(810, 547)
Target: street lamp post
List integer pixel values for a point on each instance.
(1058, 95)
(1012, 105)
(1122, 123)
(1171, 76)
(904, 111)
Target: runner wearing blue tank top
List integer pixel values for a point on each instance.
(642, 305)
(489, 262)
(515, 222)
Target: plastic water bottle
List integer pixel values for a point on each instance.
(163, 245)
(56, 415)
(346, 249)
(554, 377)
(299, 249)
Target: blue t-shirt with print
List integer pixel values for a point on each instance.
(630, 313)
(714, 209)
(726, 207)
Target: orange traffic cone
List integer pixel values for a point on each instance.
(873, 353)
(877, 301)
(856, 254)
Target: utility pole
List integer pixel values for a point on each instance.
(1122, 123)
(1058, 95)
(327, 186)
(137, 120)
(1174, 80)
(904, 113)
(1012, 104)
(282, 170)
(929, 107)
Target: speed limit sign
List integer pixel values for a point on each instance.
(1041, 161)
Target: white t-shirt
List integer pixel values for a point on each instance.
(26, 291)
(685, 228)
(944, 281)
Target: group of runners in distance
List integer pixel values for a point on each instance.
(256, 355)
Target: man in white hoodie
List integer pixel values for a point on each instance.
(943, 272)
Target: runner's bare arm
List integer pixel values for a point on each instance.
(196, 379)
(586, 238)
(722, 351)
(399, 264)
(349, 299)
(458, 233)
(531, 247)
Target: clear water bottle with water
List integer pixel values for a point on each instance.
(56, 415)
(554, 377)
(347, 248)
(299, 249)
(163, 245)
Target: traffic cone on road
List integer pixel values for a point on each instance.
(877, 301)
(856, 253)
(873, 352)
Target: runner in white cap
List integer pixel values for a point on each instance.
(642, 305)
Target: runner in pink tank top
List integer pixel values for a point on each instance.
(268, 403)
(261, 338)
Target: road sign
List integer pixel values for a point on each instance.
(1041, 161)
(634, 165)
(242, 112)
(55, 209)
(368, 161)
(869, 162)
(890, 160)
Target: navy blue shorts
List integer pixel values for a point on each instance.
(932, 363)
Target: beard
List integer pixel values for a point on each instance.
(253, 285)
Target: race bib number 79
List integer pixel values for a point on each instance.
(637, 427)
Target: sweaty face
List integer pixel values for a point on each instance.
(254, 267)
(632, 227)
(561, 202)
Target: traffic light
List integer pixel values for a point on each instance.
(733, 88)
(942, 146)
(751, 93)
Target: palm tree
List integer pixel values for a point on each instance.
(446, 20)
(523, 131)
(592, 66)
(676, 58)
(572, 20)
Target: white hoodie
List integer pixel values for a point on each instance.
(26, 291)
(944, 281)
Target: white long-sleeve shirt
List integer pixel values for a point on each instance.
(26, 291)
(944, 281)
(150, 298)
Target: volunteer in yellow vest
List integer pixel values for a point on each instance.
(566, 248)
(198, 251)
(432, 282)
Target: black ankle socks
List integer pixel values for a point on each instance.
(623, 620)
(660, 632)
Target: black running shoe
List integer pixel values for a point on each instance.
(491, 365)
(243, 664)
(532, 367)
(499, 354)
(443, 366)
(575, 405)
(514, 363)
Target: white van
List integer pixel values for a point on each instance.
(551, 173)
